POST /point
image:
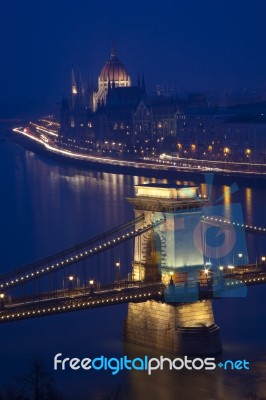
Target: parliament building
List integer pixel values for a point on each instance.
(118, 116)
(116, 113)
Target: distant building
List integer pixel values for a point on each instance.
(116, 112)
(212, 135)
(114, 73)
(244, 139)
(154, 122)
(119, 116)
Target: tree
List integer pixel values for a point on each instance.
(38, 384)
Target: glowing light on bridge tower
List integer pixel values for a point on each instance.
(172, 243)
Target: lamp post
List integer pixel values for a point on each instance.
(91, 286)
(117, 272)
(240, 255)
(2, 299)
(171, 278)
(230, 267)
(261, 260)
(206, 272)
(70, 280)
(240, 258)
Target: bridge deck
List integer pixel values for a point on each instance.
(75, 301)
(125, 292)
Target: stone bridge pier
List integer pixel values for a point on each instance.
(168, 253)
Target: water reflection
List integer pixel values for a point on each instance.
(46, 207)
(248, 200)
(227, 202)
(187, 385)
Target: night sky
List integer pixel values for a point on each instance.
(193, 44)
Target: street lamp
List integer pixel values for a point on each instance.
(206, 272)
(230, 267)
(263, 259)
(91, 287)
(70, 279)
(2, 297)
(117, 271)
(171, 278)
(240, 257)
(260, 259)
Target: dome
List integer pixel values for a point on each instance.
(113, 70)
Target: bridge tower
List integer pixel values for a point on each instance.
(168, 254)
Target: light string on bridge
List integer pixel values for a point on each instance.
(80, 304)
(81, 256)
(72, 249)
(251, 280)
(226, 221)
(42, 311)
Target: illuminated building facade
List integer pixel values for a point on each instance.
(154, 120)
(213, 136)
(113, 74)
(117, 115)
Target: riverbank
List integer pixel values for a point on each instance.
(136, 167)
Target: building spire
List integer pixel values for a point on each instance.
(90, 94)
(74, 88)
(113, 51)
(73, 82)
(80, 89)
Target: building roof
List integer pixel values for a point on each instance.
(114, 70)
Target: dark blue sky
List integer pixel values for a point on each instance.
(196, 45)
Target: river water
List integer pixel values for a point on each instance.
(45, 207)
